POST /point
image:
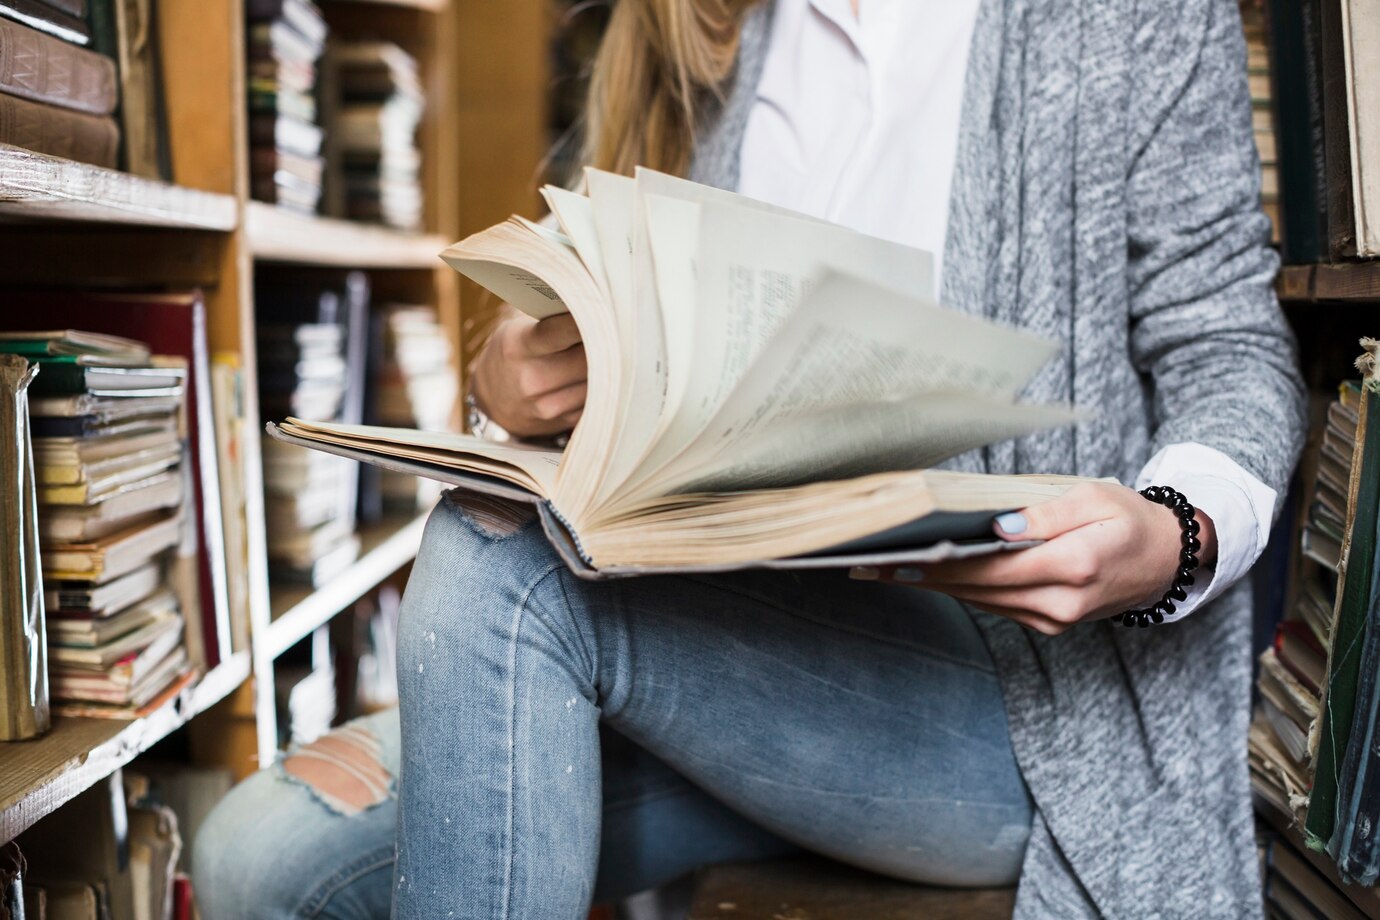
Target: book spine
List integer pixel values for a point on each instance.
(45, 69)
(1357, 840)
(59, 132)
(1298, 135)
(47, 19)
(1341, 218)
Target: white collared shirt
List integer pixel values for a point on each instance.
(857, 120)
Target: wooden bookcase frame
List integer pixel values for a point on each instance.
(65, 224)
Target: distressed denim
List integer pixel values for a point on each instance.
(564, 741)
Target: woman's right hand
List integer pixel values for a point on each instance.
(530, 376)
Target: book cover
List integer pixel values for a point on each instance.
(59, 132)
(47, 18)
(46, 69)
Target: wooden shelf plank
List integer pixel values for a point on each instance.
(386, 547)
(37, 777)
(1347, 282)
(277, 235)
(34, 186)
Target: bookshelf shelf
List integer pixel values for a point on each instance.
(276, 235)
(1347, 282)
(37, 777)
(34, 186)
(387, 547)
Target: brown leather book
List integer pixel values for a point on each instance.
(93, 139)
(70, 7)
(46, 69)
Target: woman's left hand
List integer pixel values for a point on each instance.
(1106, 549)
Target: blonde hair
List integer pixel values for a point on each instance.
(660, 63)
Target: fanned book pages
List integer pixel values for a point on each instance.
(765, 389)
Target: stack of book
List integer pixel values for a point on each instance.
(286, 39)
(1262, 109)
(1312, 765)
(56, 97)
(108, 445)
(380, 106)
(415, 385)
(309, 497)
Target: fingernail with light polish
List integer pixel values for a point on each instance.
(1012, 522)
(908, 575)
(863, 573)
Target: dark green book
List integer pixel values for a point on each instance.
(1349, 628)
(67, 378)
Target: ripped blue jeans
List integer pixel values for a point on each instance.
(564, 741)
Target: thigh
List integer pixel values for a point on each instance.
(657, 825)
(859, 720)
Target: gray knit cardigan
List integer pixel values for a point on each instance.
(1106, 195)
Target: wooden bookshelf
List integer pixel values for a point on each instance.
(484, 73)
(39, 776)
(276, 235)
(1342, 282)
(38, 187)
(385, 548)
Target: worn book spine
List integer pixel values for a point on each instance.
(46, 69)
(59, 132)
(1341, 217)
(24, 709)
(1298, 127)
(47, 18)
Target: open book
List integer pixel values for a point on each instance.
(764, 388)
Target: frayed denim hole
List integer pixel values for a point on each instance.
(341, 771)
(507, 517)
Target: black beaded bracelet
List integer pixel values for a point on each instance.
(1188, 557)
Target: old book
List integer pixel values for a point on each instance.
(46, 69)
(74, 687)
(65, 460)
(143, 118)
(765, 389)
(1356, 577)
(302, 15)
(127, 658)
(24, 709)
(77, 630)
(47, 18)
(281, 132)
(1340, 203)
(102, 600)
(70, 7)
(58, 132)
(85, 485)
(107, 558)
(1360, 22)
(113, 512)
(1295, 36)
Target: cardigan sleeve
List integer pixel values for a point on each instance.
(1206, 329)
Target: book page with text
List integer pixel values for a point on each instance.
(862, 379)
(752, 268)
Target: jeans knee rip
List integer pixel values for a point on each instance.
(342, 770)
(490, 517)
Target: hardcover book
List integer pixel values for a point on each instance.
(765, 389)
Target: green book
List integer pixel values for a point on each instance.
(1349, 626)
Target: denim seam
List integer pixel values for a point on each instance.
(832, 624)
(476, 528)
(514, 632)
(371, 862)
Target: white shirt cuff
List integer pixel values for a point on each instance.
(1240, 505)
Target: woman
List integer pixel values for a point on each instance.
(1101, 186)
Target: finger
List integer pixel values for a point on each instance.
(540, 376)
(555, 406)
(1054, 563)
(1081, 505)
(552, 335)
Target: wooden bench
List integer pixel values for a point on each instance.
(809, 888)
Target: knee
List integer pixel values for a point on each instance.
(472, 579)
(237, 866)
